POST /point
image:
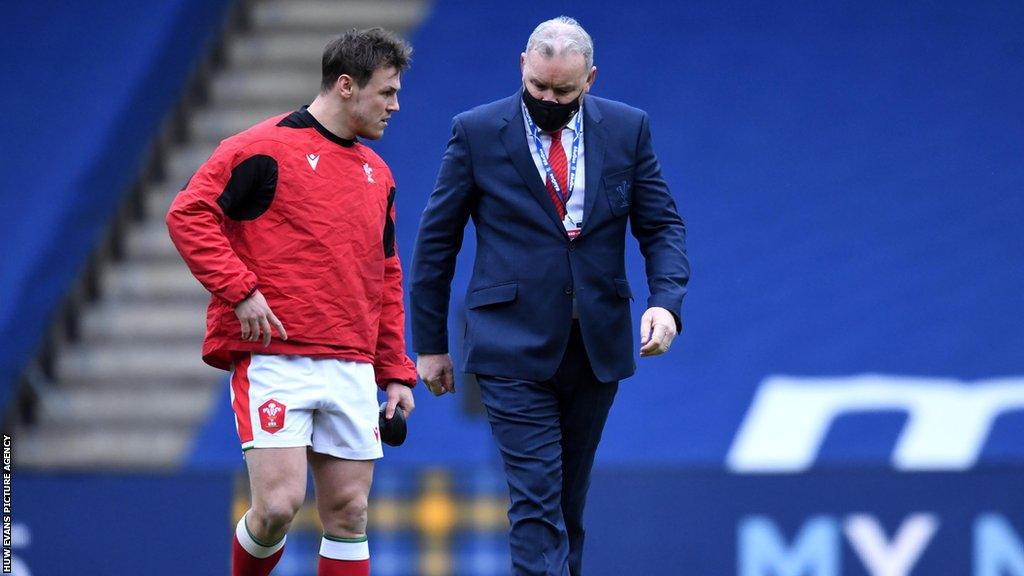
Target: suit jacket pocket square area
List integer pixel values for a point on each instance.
(622, 193)
(618, 189)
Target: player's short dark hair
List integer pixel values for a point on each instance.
(359, 53)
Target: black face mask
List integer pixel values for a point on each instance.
(550, 116)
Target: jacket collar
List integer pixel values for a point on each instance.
(514, 138)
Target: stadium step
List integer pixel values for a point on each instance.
(152, 282)
(283, 43)
(159, 323)
(82, 409)
(210, 126)
(149, 241)
(155, 446)
(184, 161)
(298, 49)
(334, 17)
(286, 87)
(157, 201)
(187, 380)
(141, 361)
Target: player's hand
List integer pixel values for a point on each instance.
(657, 330)
(436, 372)
(257, 319)
(399, 395)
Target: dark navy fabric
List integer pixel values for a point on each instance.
(527, 272)
(548, 433)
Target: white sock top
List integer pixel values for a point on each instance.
(250, 545)
(345, 548)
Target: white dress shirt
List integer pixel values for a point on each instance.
(574, 207)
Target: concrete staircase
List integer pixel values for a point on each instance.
(131, 390)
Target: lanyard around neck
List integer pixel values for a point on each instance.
(574, 154)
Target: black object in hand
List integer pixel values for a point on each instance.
(393, 431)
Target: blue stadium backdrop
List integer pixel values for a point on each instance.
(848, 395)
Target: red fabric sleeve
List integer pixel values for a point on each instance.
(195, 222)
(391, 363)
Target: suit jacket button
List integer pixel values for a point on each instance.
(572, 245)
(568, 291)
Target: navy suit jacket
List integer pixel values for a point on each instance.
(527, 270)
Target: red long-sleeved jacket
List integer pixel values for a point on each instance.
(307, 218)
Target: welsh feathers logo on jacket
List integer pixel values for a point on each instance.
(272, 415)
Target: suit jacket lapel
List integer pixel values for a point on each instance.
(513, 136)
(593, 157)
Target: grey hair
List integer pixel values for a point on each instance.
(562, 35)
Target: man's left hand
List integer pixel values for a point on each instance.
(399, 395)
(657, 330)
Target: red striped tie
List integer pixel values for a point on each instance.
(556, 157)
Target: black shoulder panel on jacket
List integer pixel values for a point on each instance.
(251, 188)
(303, 119)
(389, 227)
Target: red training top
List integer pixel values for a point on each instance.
(308, 218)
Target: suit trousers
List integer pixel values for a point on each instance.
(548, 433)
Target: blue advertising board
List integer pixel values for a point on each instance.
(121, 524)
(646, 520)
(866, 522)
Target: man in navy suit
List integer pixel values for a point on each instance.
(550, 177)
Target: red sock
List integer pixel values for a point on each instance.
(344, 557)
(250, 557)
(332, 567)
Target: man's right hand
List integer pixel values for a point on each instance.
(436, 372)
(256, 317)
